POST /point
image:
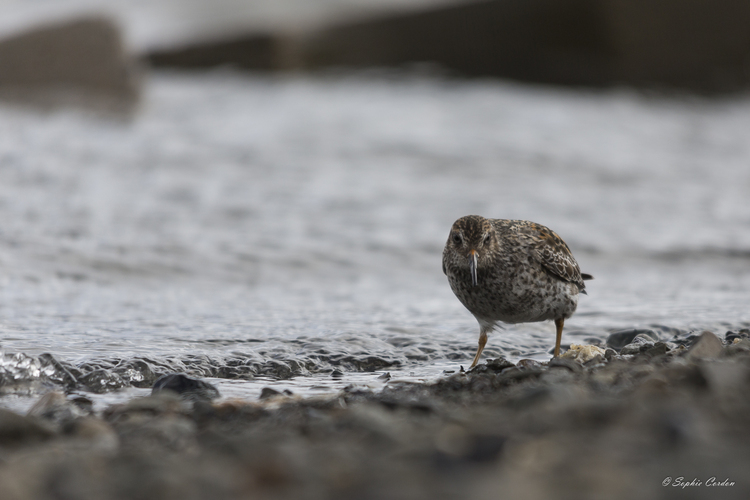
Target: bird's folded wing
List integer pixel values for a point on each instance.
(552, 252)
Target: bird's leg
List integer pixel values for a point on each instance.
(559, 325)
(482, 341)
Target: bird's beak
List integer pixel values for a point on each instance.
(473, 266)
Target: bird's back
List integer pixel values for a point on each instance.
(543, 245)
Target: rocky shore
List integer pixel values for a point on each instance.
(632, 418)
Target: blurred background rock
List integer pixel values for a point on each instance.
(699, 45)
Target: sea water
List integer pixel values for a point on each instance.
(275, 231)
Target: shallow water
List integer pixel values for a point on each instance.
(267, 231)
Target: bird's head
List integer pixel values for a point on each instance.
(471, 242)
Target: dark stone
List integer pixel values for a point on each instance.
(641, 343)
(658, 349)
(101, 381)
(518, 374)
(565, 363)
(498, 364)
(337, 374)
(188, 388)
(730, 336)
(267, 392)
(529, 364)
(62, 373)
(619, 339)
(700, 45)
(595, 360)
(685, 340)
(253, 52)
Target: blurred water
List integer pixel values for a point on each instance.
(254, 229)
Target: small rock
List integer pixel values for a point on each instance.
(337, 374)
(565, 363)
(386, 376)
(596, 360)
(730, 336)
(582, 353)
(708, 345)
(738, 346)
(267, 392)
(529, 364)
(188, 388)
(621, 338)
(658, 349)
(498, 364)
(640, 343)
(101, 381)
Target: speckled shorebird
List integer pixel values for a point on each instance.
(514, 271)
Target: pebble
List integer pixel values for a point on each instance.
(708, 345)
(640, 343)
(582, 353)
(188, 388)
(621, 338)
(468, 434)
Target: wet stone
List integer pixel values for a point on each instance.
(188, 388)
(730, 336)
(621, 338)
(685, 340)
(101, 381)
(62, 373)
(268, 392)
(640, 343)
(565, 363)
(138, 373)
(595, 361)
(528, 364)
(498, 364)
(658, 349)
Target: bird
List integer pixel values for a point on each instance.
(512, 271)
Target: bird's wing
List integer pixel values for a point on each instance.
(552, 252)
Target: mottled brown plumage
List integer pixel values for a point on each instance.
(511, 271)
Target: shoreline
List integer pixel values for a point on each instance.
(614, 425)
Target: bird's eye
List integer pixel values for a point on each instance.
(486, 239)
(457, 239)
